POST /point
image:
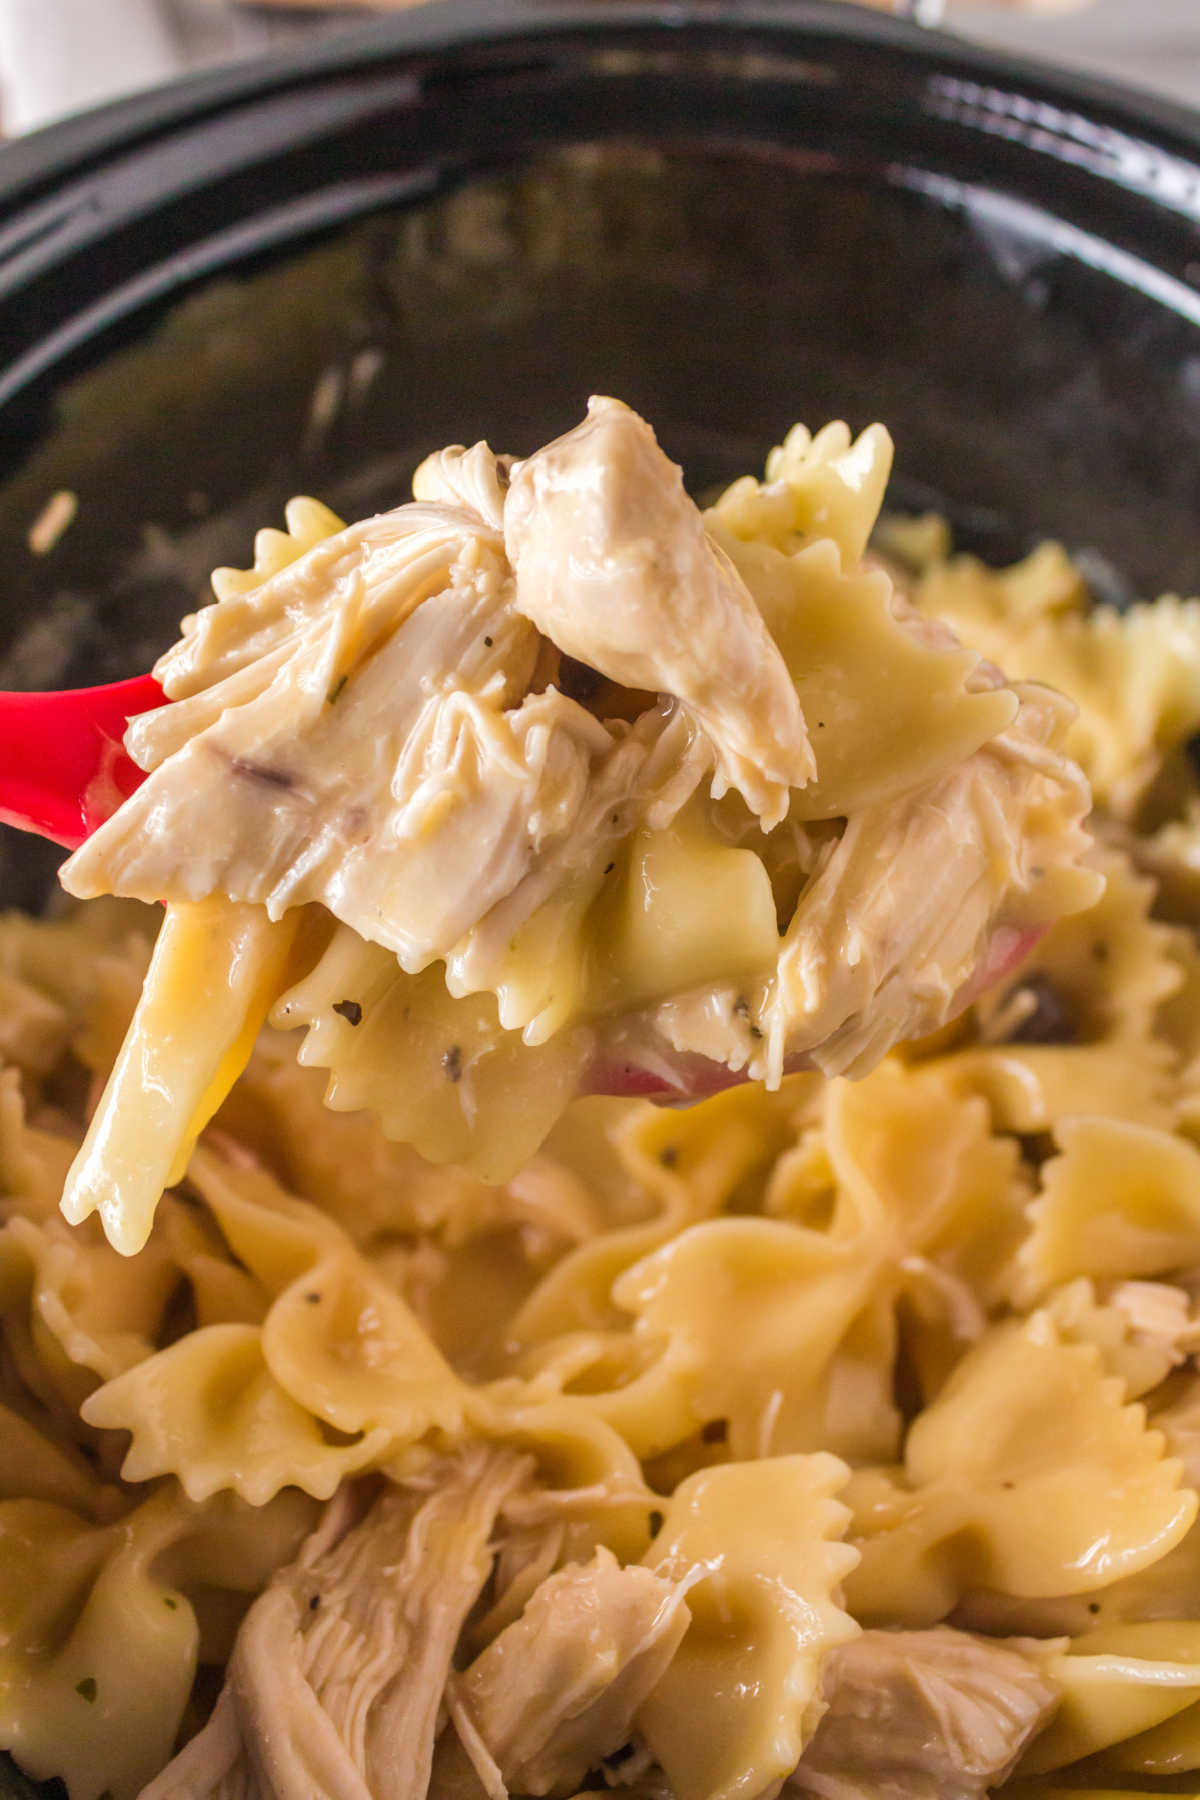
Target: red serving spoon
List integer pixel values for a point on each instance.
(64, 768)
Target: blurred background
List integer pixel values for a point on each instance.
(57, 56)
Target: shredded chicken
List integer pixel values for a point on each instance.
(1160, 1316)
(335, 1685)
(556, 1692)
(922, 1715)
(613, 564)
(408, 807)
(893, 926)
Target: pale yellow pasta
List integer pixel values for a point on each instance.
(1135, 676)
(1121, 1199)
(727, 1724)
(1028, 1474)
(828, 486)
(1117, 1683)
(840, 635)
(102, 1708)
(388, 1058)
(216, 969)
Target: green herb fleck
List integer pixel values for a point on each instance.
(86, 1689)
(336, 689)
(171, 1604)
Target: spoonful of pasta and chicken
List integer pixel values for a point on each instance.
(548, 782)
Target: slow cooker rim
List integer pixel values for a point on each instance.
(67, 149)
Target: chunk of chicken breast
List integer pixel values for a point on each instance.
(922, 1715)
(555, 1693)
(613, 564)
(335, 1685)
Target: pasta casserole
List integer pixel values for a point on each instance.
(428, 1415)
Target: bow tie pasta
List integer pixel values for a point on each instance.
(464, 1437)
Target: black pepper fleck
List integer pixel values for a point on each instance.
(715, 1432)
(668, 1156)
(313, 1299)
(657, 1521)
(86, 1689)
(609, 867)
(488, 641)
(755, 1032)
(350, 1010)
(1093, 1606)
(452, 1063)
(314, 1600)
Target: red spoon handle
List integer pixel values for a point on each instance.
(63, 766)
